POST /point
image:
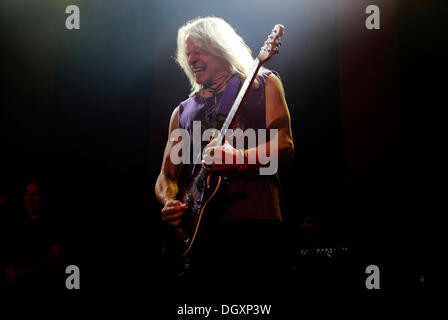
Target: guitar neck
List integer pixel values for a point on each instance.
(239, 100)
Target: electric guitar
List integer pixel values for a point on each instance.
(203, 185)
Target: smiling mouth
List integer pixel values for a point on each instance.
(198, 70)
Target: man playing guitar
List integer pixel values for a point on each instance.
(244, 215)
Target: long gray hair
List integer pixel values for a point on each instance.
(217, 36)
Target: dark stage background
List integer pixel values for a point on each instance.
(87, 112)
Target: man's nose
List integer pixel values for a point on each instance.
(192, 59)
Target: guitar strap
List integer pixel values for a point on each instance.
(227, 99)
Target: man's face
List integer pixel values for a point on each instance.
(203, 64)
(32, 200)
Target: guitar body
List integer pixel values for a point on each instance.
(197, 194)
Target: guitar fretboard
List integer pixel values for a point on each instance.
(238, 100)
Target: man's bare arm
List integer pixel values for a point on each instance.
(166, 188)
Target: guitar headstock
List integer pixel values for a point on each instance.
(272, 44)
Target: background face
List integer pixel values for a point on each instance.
(92, 106)
(32, 199)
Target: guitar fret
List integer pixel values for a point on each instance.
(255, 66)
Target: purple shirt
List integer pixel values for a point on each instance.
(247, 195)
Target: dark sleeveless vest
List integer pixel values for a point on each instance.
(247, 195)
